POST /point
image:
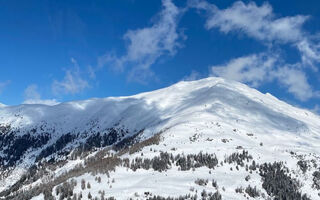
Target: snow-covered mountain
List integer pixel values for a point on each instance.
(205, 139)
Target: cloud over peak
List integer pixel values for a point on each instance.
(252, 69)
(257, 69)
(263, 25)
(32, 96)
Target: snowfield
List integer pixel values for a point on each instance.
(213, 115)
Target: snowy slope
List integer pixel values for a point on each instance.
(212, 115)
(223, 99)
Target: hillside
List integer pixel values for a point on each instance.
(206, 139)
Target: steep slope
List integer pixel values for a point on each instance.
(246, 134)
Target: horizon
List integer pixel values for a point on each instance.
(56, 52)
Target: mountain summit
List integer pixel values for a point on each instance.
(206, 139)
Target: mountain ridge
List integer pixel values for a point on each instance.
(213, 115)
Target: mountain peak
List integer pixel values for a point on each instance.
(212, 115)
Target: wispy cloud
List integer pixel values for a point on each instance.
(296, 81)
(91, 72)
(194, 75)
(72, 83)
(255, 21)
(310, 52)
(260, 23)
(316, 109)
(257, 69)
(3, 85)
(147, 45)
(32, 96)
(252, 69)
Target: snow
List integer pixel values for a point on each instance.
(208, 110)
(39, 197)
(13, 177)
(215, 96)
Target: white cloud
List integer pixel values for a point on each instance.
(296, 82)
(91, 72)
(193, 76)
(253, 69)
(72, 82)
(32, 96)
(49, 102)
(3, 85)
(31, 92)
(310, 53)
(146, 45)
(316, 109)
(258, 69)
(149, 43)
(257, 22)
(110, 58)
(260, 22)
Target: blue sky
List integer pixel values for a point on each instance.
(56, 51)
